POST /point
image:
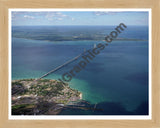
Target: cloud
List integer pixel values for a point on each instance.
(142, 21)
(48, 15)
(104, 13)
(63, 15)
(55, 15)
(72, 19)
(14, 15)
(59, 18)
(29, 17)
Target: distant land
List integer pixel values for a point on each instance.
(66, 33)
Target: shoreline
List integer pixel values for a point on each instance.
(55, 41)
(80, 95)
(29, 96)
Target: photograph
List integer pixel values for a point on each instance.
(91, 63)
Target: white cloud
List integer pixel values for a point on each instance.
(104, 13)
(29, 17)
(59, 18)
(55, 15)
(14, 15)
(50, 16)
(64, 15)
(58, 13)
(72, 19)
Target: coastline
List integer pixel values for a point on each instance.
(30, 97)
(53, 41)
(80, 95)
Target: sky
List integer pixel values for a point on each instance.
(32, 18)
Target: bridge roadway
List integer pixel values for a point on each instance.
(75, 58)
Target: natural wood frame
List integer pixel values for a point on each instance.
(4, 71)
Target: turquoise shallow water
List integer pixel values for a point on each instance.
(116, 79)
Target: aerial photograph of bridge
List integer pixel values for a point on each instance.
(79, 62)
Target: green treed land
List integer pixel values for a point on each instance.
(55, 33)
(41, 97)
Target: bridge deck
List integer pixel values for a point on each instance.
(57, 68)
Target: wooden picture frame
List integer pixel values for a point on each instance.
(4, 62)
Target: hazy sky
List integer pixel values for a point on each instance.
(20, 18)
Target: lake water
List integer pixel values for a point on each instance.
(116, 79)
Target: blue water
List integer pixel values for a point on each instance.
(116, 79)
